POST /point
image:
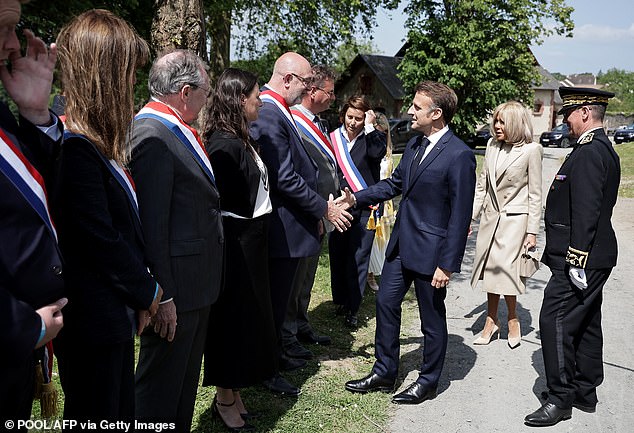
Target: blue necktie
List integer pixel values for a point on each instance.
(417, 159)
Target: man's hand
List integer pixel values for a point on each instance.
(53, 320)
(165, 320)
(155, 303)
(578, 277)
(346, 200)
(440, 278)
(143, 319)
(337, 215)
(29, 81)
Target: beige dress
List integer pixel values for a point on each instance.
(508, 200)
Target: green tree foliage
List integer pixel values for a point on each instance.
(620, 82)
(480, 48)
(314, 29)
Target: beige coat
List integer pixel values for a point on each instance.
(508, 201)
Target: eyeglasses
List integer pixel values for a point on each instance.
(331, 94)
(206, 89)
(301, 79)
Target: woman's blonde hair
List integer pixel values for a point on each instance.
(384, 125)
(518, 128)
(99, 54)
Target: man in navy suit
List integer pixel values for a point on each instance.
(31, 284)
(436, 178)
(294, 231)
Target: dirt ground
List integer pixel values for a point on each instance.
(491, 388)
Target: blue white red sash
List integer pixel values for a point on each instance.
(17, 168)
(349, 170)
(185, 133)
(121, 175)
(308, 128)
(269, 96)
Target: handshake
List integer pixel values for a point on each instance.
(337, 210)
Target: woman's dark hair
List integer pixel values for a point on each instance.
(358, 102)
(226, 112)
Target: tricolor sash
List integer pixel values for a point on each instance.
(25, 177)
(308, 128)
(185, 133)
(349, 170)
(121, 175)
(269, 96)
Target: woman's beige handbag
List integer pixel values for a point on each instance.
(529, 263)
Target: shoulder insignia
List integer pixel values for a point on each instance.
(587, 139)
(576, 258)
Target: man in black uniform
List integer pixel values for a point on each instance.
(581, 251)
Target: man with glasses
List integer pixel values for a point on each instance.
(179, 206)
(580, 251)
(317, 100)
(297, 207)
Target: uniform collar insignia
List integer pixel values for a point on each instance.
(587, 139)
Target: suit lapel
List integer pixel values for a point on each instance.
(431, 156)
(516, 152)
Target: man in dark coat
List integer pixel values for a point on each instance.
(31, 285)
(581, 251)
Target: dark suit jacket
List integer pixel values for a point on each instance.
(237, 173)
(579, 206)
(180, 211)
(30, 261)
(433, 218)
(297, 207)
(100, 236)
(366, 154)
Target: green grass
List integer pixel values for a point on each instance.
(626, 154)
(324, 405)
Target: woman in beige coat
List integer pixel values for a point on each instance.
(508, 201)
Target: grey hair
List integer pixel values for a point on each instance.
(170, 72)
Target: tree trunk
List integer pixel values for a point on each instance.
(219, 27)
(179, 24)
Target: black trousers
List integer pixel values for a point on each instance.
(17, 383)
(349, 261)
(572, 340)
(97, 379)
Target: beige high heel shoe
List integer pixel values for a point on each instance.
(486, 339)
(515, 340)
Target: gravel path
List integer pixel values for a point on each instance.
(491, 388)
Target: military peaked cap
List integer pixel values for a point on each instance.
(574, 97)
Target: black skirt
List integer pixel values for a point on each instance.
(241, 347)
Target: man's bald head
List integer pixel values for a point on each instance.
(291, 77)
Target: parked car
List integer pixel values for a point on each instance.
(480, 138)
(559, 136)
(624, 135)
(401, 132)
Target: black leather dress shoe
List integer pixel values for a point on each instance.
(296, 350)
(279, 385)
(290, 364)
(312, 338)
(547, 415)
(584, 407)
(372, 382)
(351, 321)
(414, 394)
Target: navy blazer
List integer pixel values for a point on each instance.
(297, 207)
(433, 218)
(30, 261)
(106, 273)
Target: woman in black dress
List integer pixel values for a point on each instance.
(241, 341)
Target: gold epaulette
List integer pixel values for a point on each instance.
(576, 258)
(587, 139)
